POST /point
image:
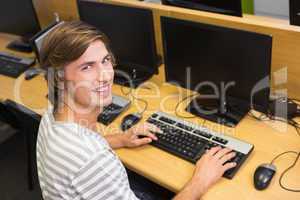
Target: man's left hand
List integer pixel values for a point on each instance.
(131, 136)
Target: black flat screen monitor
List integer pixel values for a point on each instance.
(226, 7)
(131, 34)
(18, 17)
(295, 12)
(37, 39)
(210, 59)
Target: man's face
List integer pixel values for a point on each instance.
(89, 79)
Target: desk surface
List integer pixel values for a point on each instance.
(269, 139)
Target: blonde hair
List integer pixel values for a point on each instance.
(63, 45)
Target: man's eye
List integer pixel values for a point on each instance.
(106, 60)
(86, 68)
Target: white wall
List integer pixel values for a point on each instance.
(275, 8)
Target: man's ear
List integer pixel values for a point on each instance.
(60, 80)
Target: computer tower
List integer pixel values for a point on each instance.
(295, 12)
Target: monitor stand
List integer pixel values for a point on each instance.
(22, 45)
(222, 113)
(130, 77)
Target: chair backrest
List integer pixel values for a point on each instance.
(27, 122)
(6, 128)
(25, 119)
(5, 114)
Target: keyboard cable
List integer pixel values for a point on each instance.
(180, 102)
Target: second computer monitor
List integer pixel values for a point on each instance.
(37, 40)
(226, 7)
(295, 12)
(213, 60)
(131, 34)
(18, 17)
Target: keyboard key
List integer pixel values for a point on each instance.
(207, 135)
(112, 111)
(154, 115)
(220, 140)
(180, 125)
(169, 121)
(151, 121)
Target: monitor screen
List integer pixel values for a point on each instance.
(203, 57)
(38, 39)
(19, 18)
(130, 31)
(227, 7)
(295, 12)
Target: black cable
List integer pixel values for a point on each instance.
(279, 155)
(145, 103)
(296, 101)
(269, 117)
(290, 122)
(287, 169)
(181, 101)
(296, 125)
(136, 98)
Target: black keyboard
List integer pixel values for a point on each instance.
(112, 111)
(190, 141)
(13, 66)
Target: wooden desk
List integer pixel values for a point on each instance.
(20, 90)
(173, 172)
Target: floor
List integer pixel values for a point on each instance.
(13, 179)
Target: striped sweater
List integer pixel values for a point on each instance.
(75, 162)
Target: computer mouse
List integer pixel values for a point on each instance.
(263, 176)
(31, 73)
(130, 120)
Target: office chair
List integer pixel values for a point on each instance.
(27, 122)
(6, 130)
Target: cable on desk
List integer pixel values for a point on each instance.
(181, 101)
(281, 154)
(269, 117)
(136, 98)
(296, 125)
(287, 169)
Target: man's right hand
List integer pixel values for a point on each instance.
(209, 169)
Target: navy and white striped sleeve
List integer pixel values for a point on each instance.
(101, 178)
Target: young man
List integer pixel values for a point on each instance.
(76, 162)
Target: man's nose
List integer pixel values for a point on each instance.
(105, 74)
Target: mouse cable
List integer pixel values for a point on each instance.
(180, 102)
(281, 154)
(287, 169)
(136, 98)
